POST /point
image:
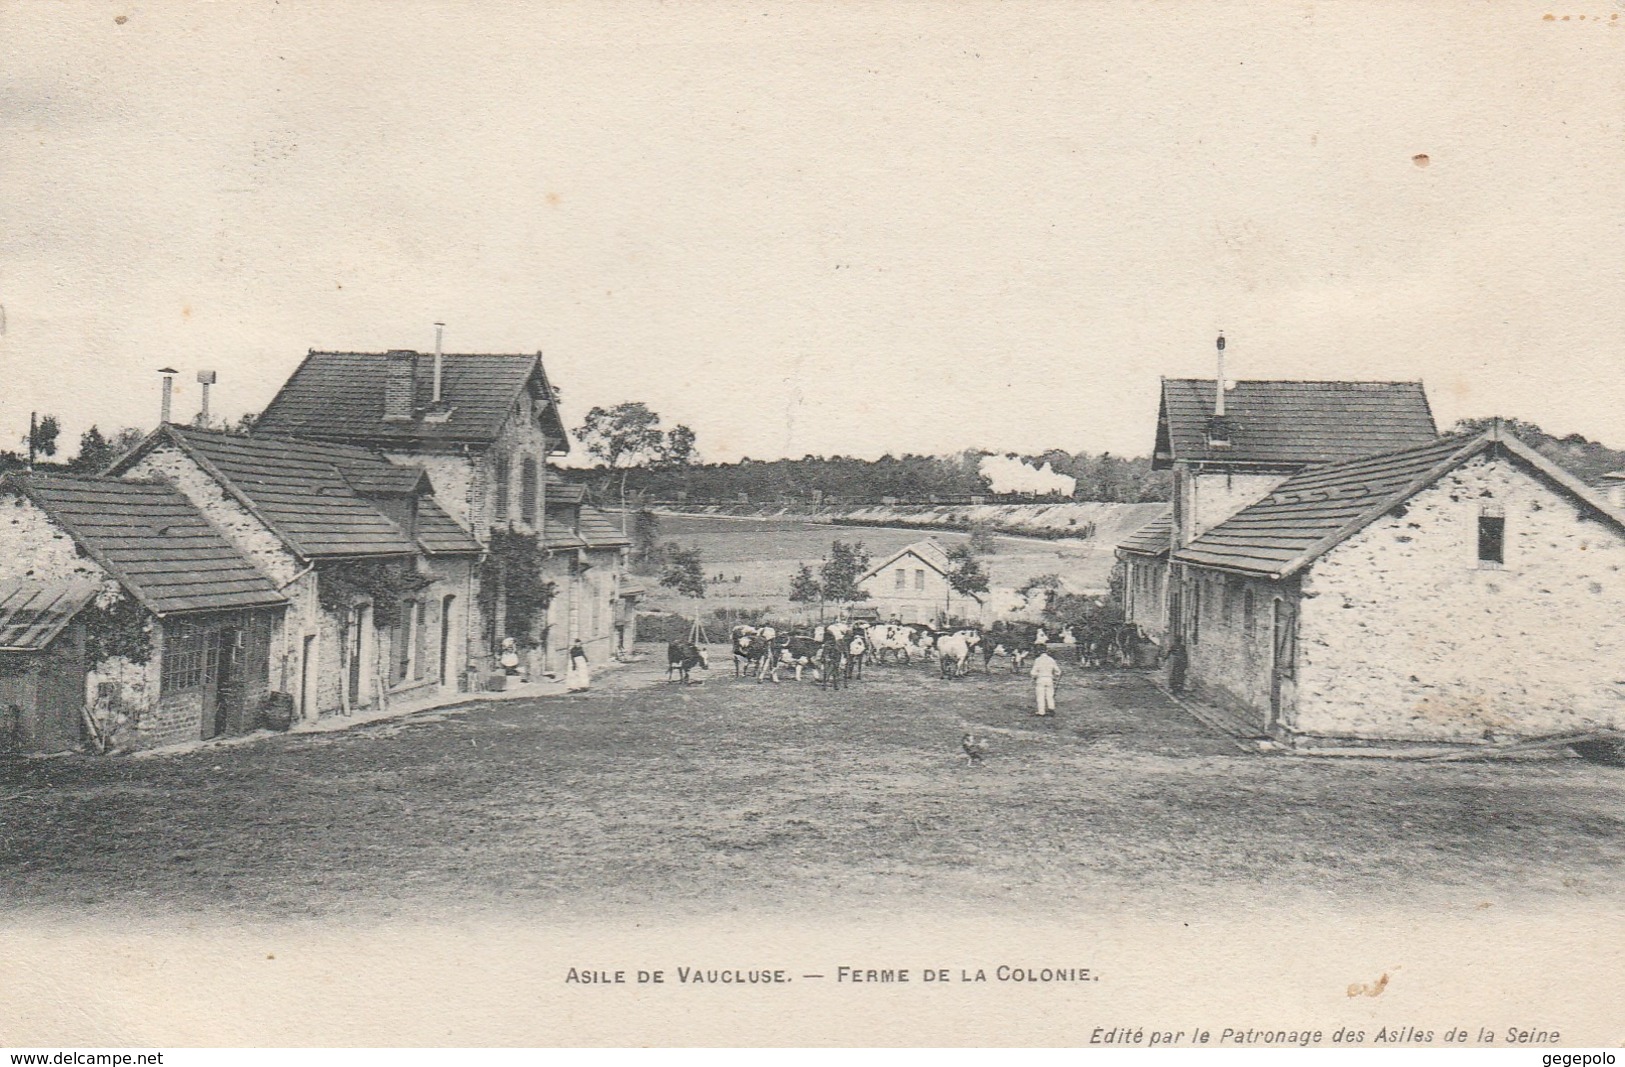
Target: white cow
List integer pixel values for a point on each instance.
(900, 641)
(953, 652)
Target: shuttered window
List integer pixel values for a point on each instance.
(527, 492)
(504, 476)
(1492, 534)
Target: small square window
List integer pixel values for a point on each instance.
(1492, 531)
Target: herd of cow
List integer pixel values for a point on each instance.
(837, 653)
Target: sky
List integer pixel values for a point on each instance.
(829, 228)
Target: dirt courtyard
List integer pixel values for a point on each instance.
(644, 797)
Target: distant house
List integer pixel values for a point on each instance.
(1460, 589)
(119, 599)
(380, 578)
(911, 585)
(483, 427)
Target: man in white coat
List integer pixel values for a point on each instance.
(1044, 671)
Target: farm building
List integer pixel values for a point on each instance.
(380, 580)
(123, 607)
(483, 427)
(1144, 557)
(911, 585)
(1233, 446)
(1454, 591)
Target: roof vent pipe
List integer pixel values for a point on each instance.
(439, 331)
(205, 378)
(1218, 427)
(169, 393)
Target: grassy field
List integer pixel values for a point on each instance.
(763, 553)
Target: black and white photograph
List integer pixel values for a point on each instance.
(1040, 524)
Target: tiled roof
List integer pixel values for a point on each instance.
(376, 476)
(1153, 539)
(562, 492)
(33, 611)
(930, 550)
(153, 541)
(560, 534)
(600, 529)
(440, 534)
(1292, 422)
(1313, 512)
(340, 396)
(296, 489)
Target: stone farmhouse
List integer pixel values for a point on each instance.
(1458, 591)
(1334, 569)
(482, 427)
(120, 601)
(911, 585)
(378, 577)
(1231, 447)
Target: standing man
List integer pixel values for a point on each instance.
(1045, 670)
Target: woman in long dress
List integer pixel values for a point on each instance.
(579, 677)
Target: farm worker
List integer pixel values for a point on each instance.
(1044, 671)
(579, 676)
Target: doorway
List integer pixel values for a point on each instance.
(1283, 660)
(307, 677)
(446, 605)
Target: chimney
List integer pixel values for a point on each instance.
(205, 378)
(439, 330)
(1218, 427)
(169, 393)
(400, 386)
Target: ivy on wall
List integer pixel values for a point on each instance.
(119, 628)
(513, 566)
(385, 582)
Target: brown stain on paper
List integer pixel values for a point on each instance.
(1372, 989)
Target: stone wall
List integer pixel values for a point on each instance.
(1405, 635)
(1145, 587)
(1207, 498)
(1231, 658)
(31, 546)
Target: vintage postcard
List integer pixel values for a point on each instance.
(764, 524)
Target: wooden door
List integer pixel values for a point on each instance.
(1284, 659)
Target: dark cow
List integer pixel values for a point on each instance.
(682, 657)
(833, 659)
(857, 648)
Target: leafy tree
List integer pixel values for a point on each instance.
(685, 570)
(43, 435)
(626, 435)
(840, 573)
(95, 452)
(645, 536)
(1040, 592)
(982, 542)
(678, 448)
(965, 574)
(805, 587)
(244, 425)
